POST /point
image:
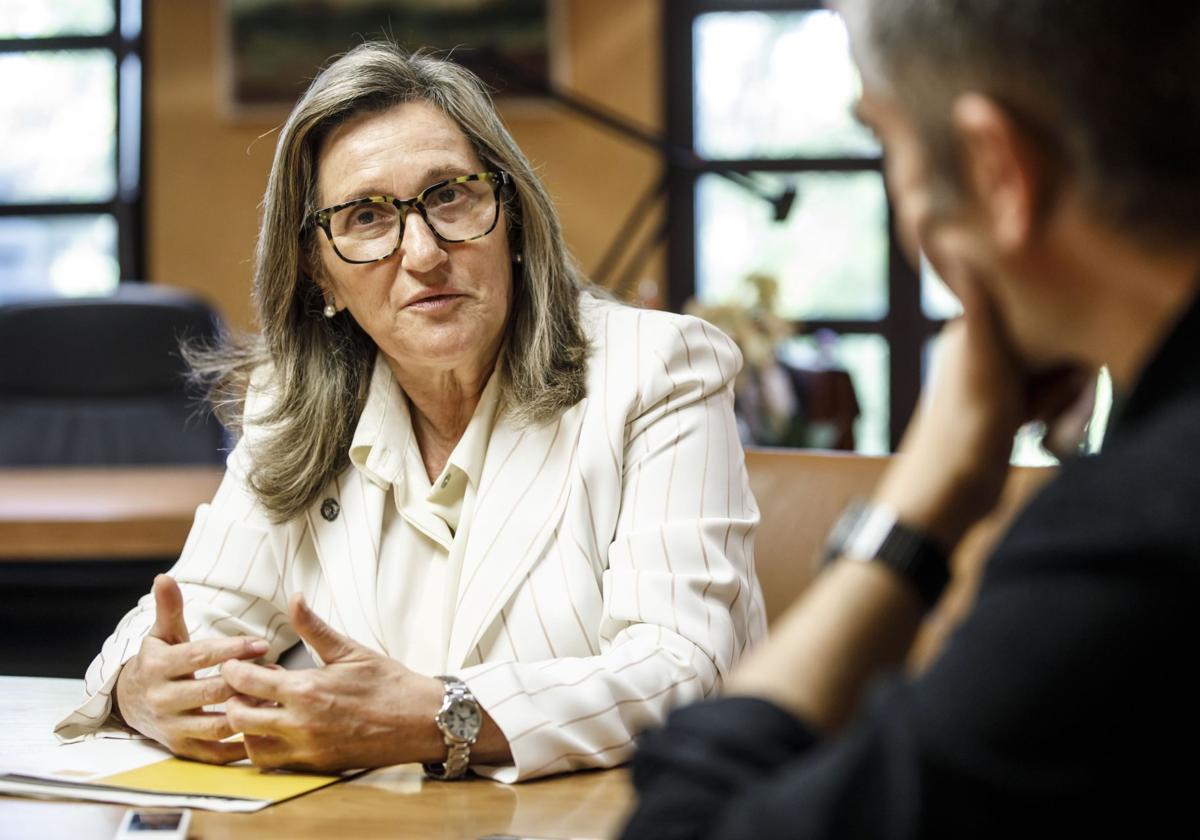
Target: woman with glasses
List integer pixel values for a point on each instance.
(507, 516)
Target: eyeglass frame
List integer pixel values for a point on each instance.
(498, 178)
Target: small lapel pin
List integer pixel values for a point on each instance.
(330, 509)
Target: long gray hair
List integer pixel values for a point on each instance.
(320, 369)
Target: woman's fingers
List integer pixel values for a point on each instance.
(203, 726)
(169, 625)
(211, 752)
(183, 660)
(257, 681)
(269, 752)
(159, 695)
(251, 717)
(326, 642)
(186, 695)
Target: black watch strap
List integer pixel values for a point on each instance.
(873, 533)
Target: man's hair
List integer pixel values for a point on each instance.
(1110, 90)
(319, 369)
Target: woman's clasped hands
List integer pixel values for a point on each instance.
(361, 709)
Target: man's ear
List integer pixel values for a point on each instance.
(1004, 171)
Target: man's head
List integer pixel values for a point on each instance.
(997, 114)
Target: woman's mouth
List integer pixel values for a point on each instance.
(433, 303)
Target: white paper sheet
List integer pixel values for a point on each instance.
(84, 761)
(32, 760)
(48, 790)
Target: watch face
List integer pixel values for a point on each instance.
(463, 720)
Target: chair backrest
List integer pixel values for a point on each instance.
(100, 380)
(801, 493)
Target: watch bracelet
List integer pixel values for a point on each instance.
(458, 758)
(458, 753)
(930, 577)
(910, 554)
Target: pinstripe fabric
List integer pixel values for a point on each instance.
(606, 578)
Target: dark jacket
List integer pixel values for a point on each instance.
(1059, 705)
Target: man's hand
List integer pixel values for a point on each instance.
(858, 619)
(158, 695)
(955, 455)
(361, 709)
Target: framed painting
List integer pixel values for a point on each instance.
(272, 49)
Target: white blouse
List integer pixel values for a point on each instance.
(425, 527)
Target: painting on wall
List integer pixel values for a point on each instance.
(274, 48)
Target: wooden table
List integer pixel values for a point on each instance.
(56, 513)
(395, 802)
(391, 802)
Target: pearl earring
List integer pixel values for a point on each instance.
(330, 310)
(519, 258)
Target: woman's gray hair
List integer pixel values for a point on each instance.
(320, 369)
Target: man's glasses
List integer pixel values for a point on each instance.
(457, 210)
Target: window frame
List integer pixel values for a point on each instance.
(127, 205)
(905, 326)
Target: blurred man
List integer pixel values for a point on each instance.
(1045, 155)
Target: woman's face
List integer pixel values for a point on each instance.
(432, 306)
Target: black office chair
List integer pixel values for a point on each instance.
(100, 380)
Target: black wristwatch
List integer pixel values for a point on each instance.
(873, 533)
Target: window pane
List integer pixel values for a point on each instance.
(59, 127)
(829, 257)
(131, 127)
(776, 85)
(46, 18)
(131, 18)
(67, 255)
(866, 358)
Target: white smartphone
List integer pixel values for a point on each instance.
(155, 824)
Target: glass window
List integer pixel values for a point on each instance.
(70, 147)
(59, 127)
(49, 18)
(131, 18)
(830, 256)
(68, 255)
(776, 85)
(774, 90)
(131, 126)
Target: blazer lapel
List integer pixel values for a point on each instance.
(522, 494)
(348, 550)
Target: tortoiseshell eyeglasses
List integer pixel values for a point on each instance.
(459, 209)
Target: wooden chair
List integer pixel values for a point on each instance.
(801, 493)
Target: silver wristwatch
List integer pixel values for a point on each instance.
(459, 720)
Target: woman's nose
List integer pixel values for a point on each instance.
(420, 249)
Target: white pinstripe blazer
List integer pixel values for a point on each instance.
(608, 573)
